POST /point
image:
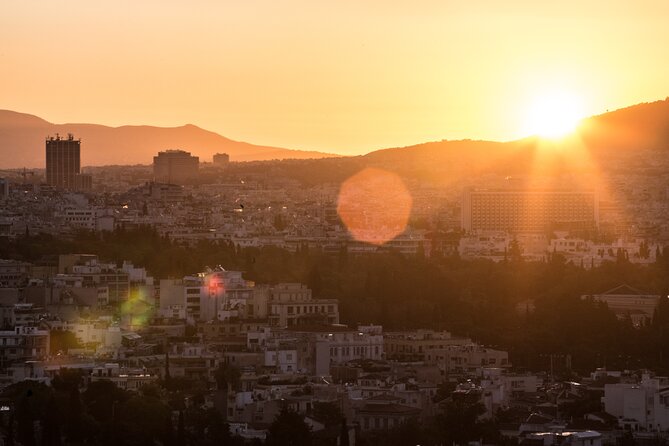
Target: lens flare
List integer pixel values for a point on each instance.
(554, 115)
(375, 205)
(136, 311)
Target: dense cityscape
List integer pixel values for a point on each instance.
(194, 302)
(334, 223)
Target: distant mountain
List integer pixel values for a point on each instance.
(22, 143)
(613, 135)
(641, 127)
(618, 134)
(613, 140)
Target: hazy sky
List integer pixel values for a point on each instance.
(345, 76)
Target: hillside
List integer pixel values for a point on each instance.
(623, 133)
(22, 143)
(636, 134)
(616, 134)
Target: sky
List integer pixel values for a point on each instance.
(344, 76)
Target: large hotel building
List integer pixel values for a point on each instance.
(527, 210)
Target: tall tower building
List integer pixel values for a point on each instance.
(63, 162)
(175, 167)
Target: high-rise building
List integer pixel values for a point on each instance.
(529, 210)
(4, 188)
(175, 166)
(221, 160)
(63, 162)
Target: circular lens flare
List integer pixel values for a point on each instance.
(136, 311)
(375, 205)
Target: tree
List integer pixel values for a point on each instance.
(10, 431)
(515, 253)
(51, 424)
(288, 429)
(279, 223)
(327, 413)
(167, 369)
(181, 432)
(73, 429)
(343, 433)
(62, 340)
(458, 423)
(25, 423)
(315, 281)
(227, 376)
(142, 419)
(218, 431)
(101, 399)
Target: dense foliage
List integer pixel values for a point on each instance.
(534, 310)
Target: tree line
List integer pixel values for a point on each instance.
(532, 309)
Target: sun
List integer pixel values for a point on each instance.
(554, 114)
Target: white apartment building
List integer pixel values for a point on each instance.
(643, 406)
(131, 379)
(208, 295)
(22, 344)
(291, 304)
(281, 360)
(467, 359)
(98, 332)
(414, 345)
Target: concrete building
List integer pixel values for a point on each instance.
(4, 188)
(23, 344)
(97, 332)
(14, 273)
(291, 304)
(321, 346)
(63, 164)
(626, 301)
(414, 345)
(467, 359)
(175, 167)
(131, 379)
(529, 210)
(572, 438)
(384, 416)
(221, 160)
(643, 406)
(209, 295)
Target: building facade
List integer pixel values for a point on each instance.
(63, 162)
(221, 160)
(175, 167)
(529, 210)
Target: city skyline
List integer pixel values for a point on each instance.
(309, 223)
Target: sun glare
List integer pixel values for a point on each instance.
(554, 115)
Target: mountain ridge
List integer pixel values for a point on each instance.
(640, 126)
(22, 143)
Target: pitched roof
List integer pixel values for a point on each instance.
(390, 409)
(624, 290)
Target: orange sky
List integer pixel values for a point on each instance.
(345, 76)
